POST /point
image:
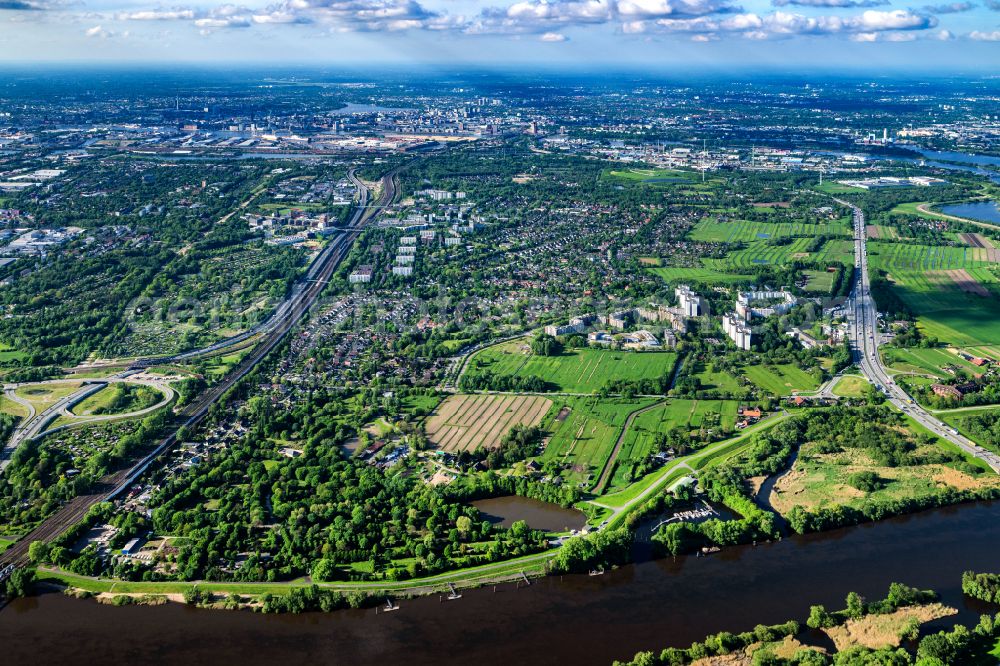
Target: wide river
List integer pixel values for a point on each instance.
(575, 619)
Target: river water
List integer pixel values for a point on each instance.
(575, 619)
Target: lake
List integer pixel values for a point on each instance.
(572, 619)
(984, 211)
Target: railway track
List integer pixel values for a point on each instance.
(286, 318)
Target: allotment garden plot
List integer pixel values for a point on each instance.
(574, 370)
(469, 422)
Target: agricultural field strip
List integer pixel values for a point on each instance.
(736, 231)
(470, 421)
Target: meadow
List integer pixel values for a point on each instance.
(719, 416)
(584, 432)
(574, 370)
(851, 386)
(781, 379)
(708, 276)
(822, 480)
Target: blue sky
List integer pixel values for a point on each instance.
(656, 34)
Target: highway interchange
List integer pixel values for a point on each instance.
(286, 316)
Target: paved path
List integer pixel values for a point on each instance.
(609, 466)
(865, 340)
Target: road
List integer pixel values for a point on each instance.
(865, 340)
(36, 423)
(287, 307)
(292, 310)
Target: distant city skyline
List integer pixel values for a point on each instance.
(778, 34)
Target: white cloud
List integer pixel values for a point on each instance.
(980, 36)
(830, 3)
(553, 37)
(952, 8)
(176, 14)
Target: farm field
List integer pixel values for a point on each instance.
(746, 231)
(876, 231)
(952, 290)
(932, 360)
(764, 254)
(468, 422)
(584, 432)
(948, 314)
(914, 257)
(781, 379)
(575, 370)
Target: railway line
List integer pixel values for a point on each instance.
(271, 334)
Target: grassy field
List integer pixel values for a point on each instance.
(706, 276)
(851, 386)
(42, 396)
(834, 188)
(709, 380)
(575, 370)
(820, 281)
(584, 432)
(9, 353)
(910, 209)
(819, 480)
(8, 406)
(102, 402)
(931, 360)
(781, 379)
(716, 416)
(656, 176)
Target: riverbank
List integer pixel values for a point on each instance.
(557, 619)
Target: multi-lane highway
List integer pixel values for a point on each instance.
(865, 338)
(291, 311)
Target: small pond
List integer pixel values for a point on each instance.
(504, 511)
